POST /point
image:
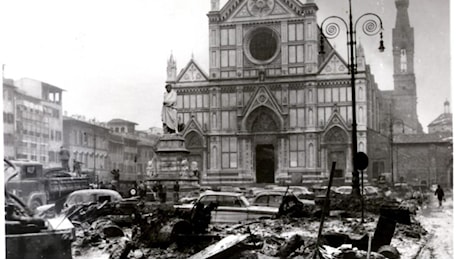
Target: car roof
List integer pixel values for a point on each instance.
(96, 191)
(224, 193)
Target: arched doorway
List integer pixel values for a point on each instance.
(264, 125)
(336, 144)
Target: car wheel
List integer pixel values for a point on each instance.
(389, 252)
(132, 192)
(35, 204)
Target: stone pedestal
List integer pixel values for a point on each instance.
(173, 165)
(171, 153)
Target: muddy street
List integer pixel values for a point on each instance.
(438, 221)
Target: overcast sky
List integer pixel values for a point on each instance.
(111, 56)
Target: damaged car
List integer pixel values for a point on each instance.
(229, 207)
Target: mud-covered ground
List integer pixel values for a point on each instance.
(270, 238)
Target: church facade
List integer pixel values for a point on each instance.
(272, 109)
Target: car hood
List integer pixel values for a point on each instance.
(44, 208)
(307, 202)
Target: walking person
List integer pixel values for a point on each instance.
(440, 193)
(176, 191)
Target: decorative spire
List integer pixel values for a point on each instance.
(446, 107)
(171, 69)
(215, 5)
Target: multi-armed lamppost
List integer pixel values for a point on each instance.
(331, 29)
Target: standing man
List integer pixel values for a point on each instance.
(440, 193)
(176, 191)
(169, 112)
(64, 156)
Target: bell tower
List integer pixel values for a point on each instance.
(405, 89)
(171, 70)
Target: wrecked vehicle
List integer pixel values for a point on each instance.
(78, 198)
(37, 186)
(230, 207)
(28, 236)
(274, 199)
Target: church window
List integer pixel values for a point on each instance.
(232, 100)
(227, 37)
(229, 153)
(310, 96)
(300, 117)
(403, 60)
(292, 118)
(321, 95)
(296, 54)
(327, 95)
(224, 99)
(180, 101)
(361, 93)
(321, 116)
(335, 95)
(225, 122)
(297, 151)
(310, 116)
(192, 101)
(292, 97)
(213, 38)
(343, 95)
(205, 100)
(224, 58)
(328, 112)
(300, 97)
(199, 101)
(186, 101)
(311, 157)
(361, 115)
(263, 45)
(295, 32)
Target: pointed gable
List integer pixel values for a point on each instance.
(242, 10)
(192, 73)
(262, 97)
(334, 64)
(193, 125)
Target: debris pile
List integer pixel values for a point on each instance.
(146, 231)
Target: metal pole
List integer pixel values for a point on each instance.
(325, 208)
(94, 140)
(355, 174)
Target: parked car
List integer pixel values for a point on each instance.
(369, 191)
(274, 198)
(190, 197)
(231, 207)
(81, 197)
(301, 192)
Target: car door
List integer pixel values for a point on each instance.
(231, 210)
(208, 199)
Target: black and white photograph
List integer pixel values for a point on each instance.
(196, 129)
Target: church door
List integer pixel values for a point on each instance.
(265, 163)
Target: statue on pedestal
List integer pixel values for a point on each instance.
(169, 112)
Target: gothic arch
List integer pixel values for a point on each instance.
(336, 135)
(262, 119)
(193, 140)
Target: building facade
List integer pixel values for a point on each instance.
(272, 108)
(88, 143)
(33, 111)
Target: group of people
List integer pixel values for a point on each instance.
(159, 191)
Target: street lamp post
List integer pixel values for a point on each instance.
(331, 29)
